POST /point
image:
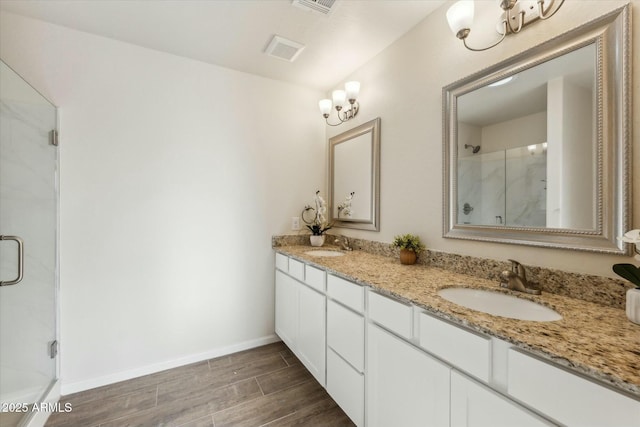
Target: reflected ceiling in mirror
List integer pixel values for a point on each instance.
(536, 149)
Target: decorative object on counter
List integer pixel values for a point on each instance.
(632, 274)
(344, 208)
(633, 237)
(318, 224)
(410, 246)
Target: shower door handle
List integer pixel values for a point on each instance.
(20, 260)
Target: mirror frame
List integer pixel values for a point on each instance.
(372, 127)
(611, 35)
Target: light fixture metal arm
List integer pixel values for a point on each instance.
(348, 114)
(542, 12)
(504, 34)
(520, 21)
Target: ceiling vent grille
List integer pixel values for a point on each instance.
(320, 6)
(284, 49)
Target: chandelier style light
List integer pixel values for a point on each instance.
(340, 98)
(515, 16)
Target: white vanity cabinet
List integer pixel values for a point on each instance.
(286, 308)
(474, 405)
(389, 363)
(405, 386)
(345, 346)
(566, 397)
(300, 314)
(467, 350)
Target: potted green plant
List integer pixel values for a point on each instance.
(632, 274)
(410, 247)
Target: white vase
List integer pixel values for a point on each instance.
(317, 240)
(633, 305)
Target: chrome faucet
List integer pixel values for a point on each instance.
(344, 244)
(516, 279)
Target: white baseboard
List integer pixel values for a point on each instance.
(77, 386)
(49, 402)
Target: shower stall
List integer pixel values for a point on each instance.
(28, 252)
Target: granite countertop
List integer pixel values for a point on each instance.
(592, 339)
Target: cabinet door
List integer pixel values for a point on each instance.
(345, 334)
(566, 397)
(405, 387)
(346, 387)
(286, 308)
(473, 405)
(311, 331)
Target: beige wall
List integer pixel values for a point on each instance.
(403, 86)
(174, 176)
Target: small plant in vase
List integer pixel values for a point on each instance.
(632, 274)
(410, 247)
(318, 224)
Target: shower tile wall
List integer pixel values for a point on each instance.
(503, 188)
(526, 172)
(481, 184)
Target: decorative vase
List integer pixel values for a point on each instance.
(317, 240)
(407, 257)
(633, 305)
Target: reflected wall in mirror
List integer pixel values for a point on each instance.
(539, 116)
(354, 177)
(537, 148)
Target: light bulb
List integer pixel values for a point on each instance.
(339, 97)
(460, 16)
(353, 89)
(325, 106)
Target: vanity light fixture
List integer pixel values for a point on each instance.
(515, 16)
(340, 97)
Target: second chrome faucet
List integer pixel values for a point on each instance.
(516, 279)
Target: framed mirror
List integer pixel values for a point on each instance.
(354, 177)
(537, 148)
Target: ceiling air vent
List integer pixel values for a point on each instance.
(285, 49)
(320, 6)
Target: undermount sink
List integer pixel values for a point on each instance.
(499, 304)
(323, 252)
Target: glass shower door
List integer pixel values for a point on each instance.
(28, 249)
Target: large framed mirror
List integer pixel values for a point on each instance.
(354, 177)
(537, 148)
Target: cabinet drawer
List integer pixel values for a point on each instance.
(282, 262)
(314, 277)
(296, 269)
(475, 405)
(347, 293)
(391, 314)
(464, 349)
(568, 398)
(346, 387)
(345, 334)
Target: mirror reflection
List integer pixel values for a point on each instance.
(354, 179)
(526, 145)
(352, 183)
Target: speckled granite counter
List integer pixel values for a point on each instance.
(592, 339)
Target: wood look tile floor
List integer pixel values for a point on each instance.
(265, 386)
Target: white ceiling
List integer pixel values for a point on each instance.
(234, 33)
(527, 93)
